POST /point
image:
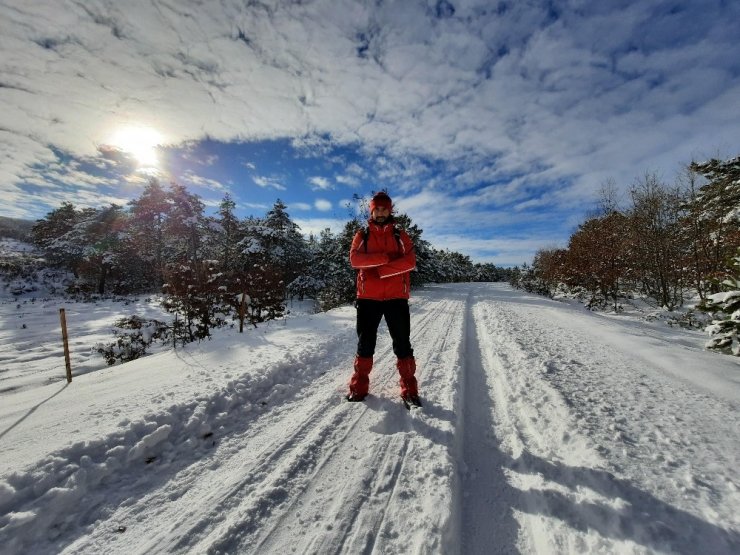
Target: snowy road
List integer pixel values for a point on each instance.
(545, 429)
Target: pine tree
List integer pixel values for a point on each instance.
(48, 235)
(103, 252)
(334, 267)
(310, 282)
(146, 228)
(286, 247)
(725, 305)
(228, 235)
(263, 280)
(200, 295)
(715, 213)
(184, 224)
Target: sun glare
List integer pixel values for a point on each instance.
(140, 142)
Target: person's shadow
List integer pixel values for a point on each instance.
(644, 519)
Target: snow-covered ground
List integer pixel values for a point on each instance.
(546, 428)
(31, 347)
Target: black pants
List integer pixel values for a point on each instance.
(398, 319)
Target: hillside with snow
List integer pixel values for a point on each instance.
(546, 428)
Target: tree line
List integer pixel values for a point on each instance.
(207, 264)
(670, 243)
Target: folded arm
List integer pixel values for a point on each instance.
(402, 263)
(359, 259)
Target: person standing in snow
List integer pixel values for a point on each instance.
(384, 256)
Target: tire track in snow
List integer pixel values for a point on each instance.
(275, 490)
(515, 489)
(487, 524)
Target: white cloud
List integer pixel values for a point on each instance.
(350, 180)
(320, 183)
(514, 98)
(553, 83)
(255, 205)
(352, 176)
(502, 252)
(268, 182)
(199, 181)
(322, 205)
(211, 203)
(300, 206)
(346, 203)
(317, 225)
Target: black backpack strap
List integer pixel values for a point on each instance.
(396, 234)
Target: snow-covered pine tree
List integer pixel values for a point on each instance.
(310, 282)
(333, 267)
(47, 234)
(725, 306)
(522, 277)
(286, 246)
(717, 207)
(262, 276)
(146, 228)
(184, 225)
(454, 267)
(227, 235)
(197, 290)
(104, 248)
(88, 242)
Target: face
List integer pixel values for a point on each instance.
(380, 214)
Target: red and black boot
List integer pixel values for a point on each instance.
(409, 391)
(359, 384)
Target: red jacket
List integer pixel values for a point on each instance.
(384, 267)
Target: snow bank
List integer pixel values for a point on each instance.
(34, 503)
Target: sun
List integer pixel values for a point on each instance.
(140, 142)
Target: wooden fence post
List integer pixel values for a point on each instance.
(63, 319)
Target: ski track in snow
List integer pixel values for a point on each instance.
(537, 435)
(275, 486)
(596, 442)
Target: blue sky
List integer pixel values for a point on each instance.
(492, 124)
